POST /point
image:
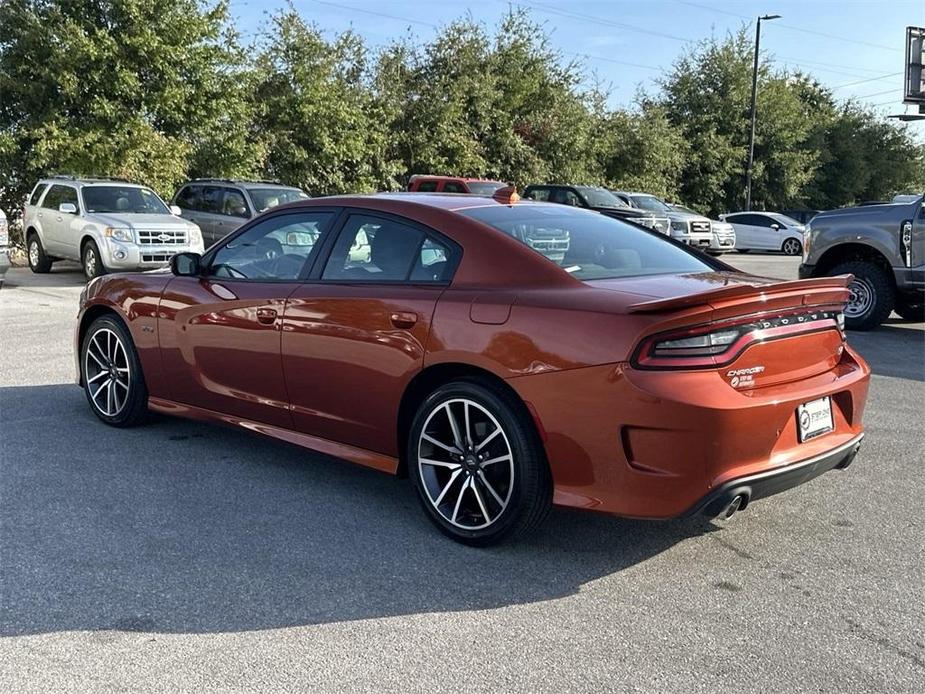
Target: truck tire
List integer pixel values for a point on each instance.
(872, 294)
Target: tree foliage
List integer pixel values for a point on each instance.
(160, 90)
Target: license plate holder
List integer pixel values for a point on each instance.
(814, 418)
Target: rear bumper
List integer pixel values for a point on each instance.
(772, 482)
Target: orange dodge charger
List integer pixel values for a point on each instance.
(504, 355)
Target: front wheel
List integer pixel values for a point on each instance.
(92, 263)
(872, 295)
(477, 463)
(112, 378)
(791, 246)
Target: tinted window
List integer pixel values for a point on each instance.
(651, 203)
(601, 197)
(541, 194)
(274, 249)
(190, 198)
(126, 199)
(374, 249)
(60, 194)
(37, 193)
(265, 198)
(484, 187)
(212, 199)
(426, 187)
(454, 187)
(564, 196)
(234, 204)
(588, 245)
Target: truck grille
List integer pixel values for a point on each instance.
(554, 244)
(156, 257)
(698, 227)
(157, 237)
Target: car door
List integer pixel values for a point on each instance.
(748, 234)
(192, 208)
(62, 229)
(220, 332)
(355, 334)
(233, 212)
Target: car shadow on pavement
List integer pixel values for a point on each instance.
(61, 275)
(894, 349)
(183, 527)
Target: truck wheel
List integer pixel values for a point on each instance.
(872, 294)
(38, 261)
(92, 262)
(910, 311)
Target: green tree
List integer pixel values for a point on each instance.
(130, 88)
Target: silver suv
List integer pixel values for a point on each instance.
(221, 205)
(686, 227)
(105, 224)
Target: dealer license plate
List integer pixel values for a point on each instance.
(814, 418)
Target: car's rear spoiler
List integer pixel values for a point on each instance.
(819, 290)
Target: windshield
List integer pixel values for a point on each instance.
(649, 202)
(586, 244)
(601, 197)
(265, 198)
(124, 199)
(784, 219)
(484, 187)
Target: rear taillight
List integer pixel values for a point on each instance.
(720, 343)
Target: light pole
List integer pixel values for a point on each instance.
(751, 138)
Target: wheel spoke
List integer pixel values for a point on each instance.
(456, 473)
(120, 383)
(110, 400)
(468, 440)
(431, 439)
(487, 439)
(491, 490)
(100, 375)
(99, 349)
(478, 498)
(459, 498)
(492, 461)
(440, 463)
(97, 391)
(457, 439)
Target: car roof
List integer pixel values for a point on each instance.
(441, 177)
(451, 202)
(80, 182)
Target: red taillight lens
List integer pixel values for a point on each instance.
(720, 343)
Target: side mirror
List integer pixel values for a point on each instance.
(67, 208)
(175, 211)
(775, 227)
(186, 264)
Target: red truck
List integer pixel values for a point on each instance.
(422, 183)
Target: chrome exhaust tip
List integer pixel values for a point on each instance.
(739, 501)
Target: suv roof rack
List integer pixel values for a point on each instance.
(234, 180)
(88, 179)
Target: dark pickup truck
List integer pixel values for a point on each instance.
(883, 246)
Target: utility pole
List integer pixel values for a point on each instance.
(751, 139)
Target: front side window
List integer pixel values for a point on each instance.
(564, 196)
(265, 198)
(234, 204)
(125, 199)
(651, 203)
(601, 197)
(375, 249)
(278, 248)
(37, 193)
(588, 245)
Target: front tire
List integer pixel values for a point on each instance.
(91, 260)
(791, 247)
(39, 263)
(872, 294)
(111, 373)
(477, 464)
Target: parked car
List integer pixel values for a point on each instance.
(766, 231)
(105, 224)
(221, 205)
(4, 246)
(597, 199)
(630, 375)
(690, 228)
(802, 216)
(453, 184)
(724, 235)
(883, 247)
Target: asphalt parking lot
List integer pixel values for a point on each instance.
(188, 557)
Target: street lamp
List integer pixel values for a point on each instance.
(751, 139)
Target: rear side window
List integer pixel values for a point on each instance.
(586, 244)
(426, 187)
(541, 194)
(212, 199)
(37, 193)
(375, 249)
(454, 187)
(58, 195)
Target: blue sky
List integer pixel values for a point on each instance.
(855, 48)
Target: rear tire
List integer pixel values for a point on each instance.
(910, 311)
(111, 373)
(872, 294)
(91, 260)
(486, 481)
(791, 247)
(38, 262)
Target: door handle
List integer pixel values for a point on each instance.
(267, 316)
(404, 319)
